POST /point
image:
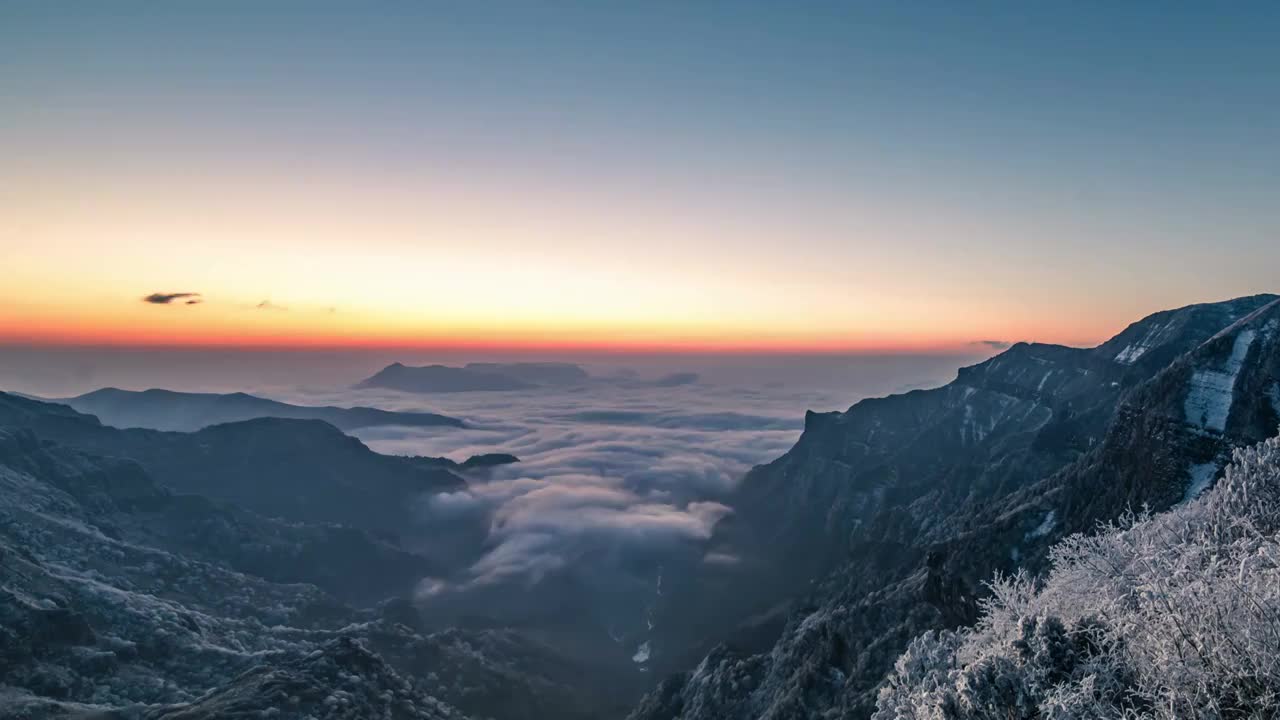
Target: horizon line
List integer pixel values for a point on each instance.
(975, 348)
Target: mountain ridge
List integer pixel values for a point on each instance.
(475, 377)
(300, 470)
(159, 409)
(871, 503)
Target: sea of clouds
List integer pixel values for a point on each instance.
(616, 473)
(619, 477)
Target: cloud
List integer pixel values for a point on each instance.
(617, 480)
(993, 344)
(450, 504)
(192, 298)
(614, 479)
(554, 527)
(268, 305)
(724, 420)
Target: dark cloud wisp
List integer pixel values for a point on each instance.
(192, 298)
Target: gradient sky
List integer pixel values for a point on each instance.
(856, 176)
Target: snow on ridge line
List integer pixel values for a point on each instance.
(1210, 392)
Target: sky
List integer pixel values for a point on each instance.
(658, 176)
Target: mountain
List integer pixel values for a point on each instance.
(474, 377)
(483, 461)
(269, 565)
(885, 521)
(120, 599)
(534, 373)
(298, 470)
(185, 412)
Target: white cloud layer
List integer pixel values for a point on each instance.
(614, 475)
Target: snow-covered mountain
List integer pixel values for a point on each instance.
(885, 521)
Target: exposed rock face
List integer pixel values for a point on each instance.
(904, 506)
(186, 412)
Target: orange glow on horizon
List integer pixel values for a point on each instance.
(191, 328)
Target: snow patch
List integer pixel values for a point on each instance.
(1044, 380)
(1209, 395)
(642, 654)
(973, 431)
(1046, 526)
(1201, 478)
(1130, 354)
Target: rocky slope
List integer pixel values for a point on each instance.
(122, 599)
(900, 508)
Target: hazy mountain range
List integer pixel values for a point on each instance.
(475, 377)
(275, 564)
(184, 411)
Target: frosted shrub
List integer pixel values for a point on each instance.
(1175, 615)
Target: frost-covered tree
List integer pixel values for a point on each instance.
(1174, 615)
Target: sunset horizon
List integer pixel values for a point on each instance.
(572, 188)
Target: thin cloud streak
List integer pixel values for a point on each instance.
(192, 298)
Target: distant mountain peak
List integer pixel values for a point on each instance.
(184, 411)
(475, 377)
